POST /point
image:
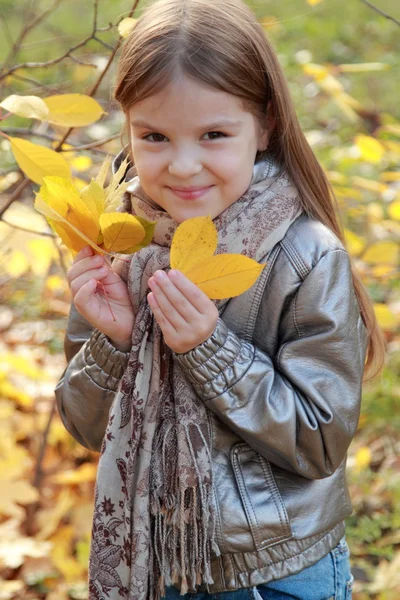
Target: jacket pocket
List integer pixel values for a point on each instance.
(262, 502)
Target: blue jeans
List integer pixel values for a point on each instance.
(328, 579)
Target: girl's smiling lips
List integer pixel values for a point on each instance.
(190, 193)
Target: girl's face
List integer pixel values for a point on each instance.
(194, 148)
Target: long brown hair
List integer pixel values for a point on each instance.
(220, 43)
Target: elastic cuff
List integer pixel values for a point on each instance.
(201, 353)
(110, 360)
(222, 357)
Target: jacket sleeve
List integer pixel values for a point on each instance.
(88, 385)
(298, 409)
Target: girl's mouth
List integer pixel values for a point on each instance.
(190, 193)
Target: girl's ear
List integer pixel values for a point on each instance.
(268, 126)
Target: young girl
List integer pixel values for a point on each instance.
(223, 426)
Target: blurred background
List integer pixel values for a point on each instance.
(341, 58)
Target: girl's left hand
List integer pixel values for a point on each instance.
(187, 316)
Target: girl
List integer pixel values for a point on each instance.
(223, 426)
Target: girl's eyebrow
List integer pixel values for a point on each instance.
(216, 125)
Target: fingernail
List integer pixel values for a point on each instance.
(159, 275)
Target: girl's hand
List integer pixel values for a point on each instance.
(83, 277)
(187, 316)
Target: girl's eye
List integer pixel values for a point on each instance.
(157, 137)
(215, 135)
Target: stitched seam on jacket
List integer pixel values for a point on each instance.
(287, 558)
(277, 501)
(294, 258)
(278, 357)
(259, 293)
(246, 498)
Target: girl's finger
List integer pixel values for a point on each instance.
(84, 295)
(167, 327)
(84, 266)
(191, 291)
(165, 305)
(78, 282)
(86, 251)
(183, 306)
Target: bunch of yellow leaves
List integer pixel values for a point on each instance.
(89, 216)
(218, 275)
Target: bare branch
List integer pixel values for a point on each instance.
(20, 228)
(90, 146)
(39, 83)
(30, 24)
(7, 31)
(102, 75)
(16, 193)
(380, 12)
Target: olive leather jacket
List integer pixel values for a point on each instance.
(281, 377)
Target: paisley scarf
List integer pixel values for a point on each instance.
(154, 518)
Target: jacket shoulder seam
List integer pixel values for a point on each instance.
(294, 306)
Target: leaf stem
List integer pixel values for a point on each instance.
(106, 295)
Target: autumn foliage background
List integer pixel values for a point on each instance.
(342, 61)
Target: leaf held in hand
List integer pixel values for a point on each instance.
(225, 275)
(37, 161)
(219, 276)
(194, 240)
(120, 230)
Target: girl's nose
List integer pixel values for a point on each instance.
(184, 168)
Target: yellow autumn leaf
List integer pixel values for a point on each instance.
(94, 198)
(14, 493)
(116, 189)
(17, 264)
(30, 107)
(120, 231)
(72, 110)
(371, 149)
(42, 252)
(313, 2)
(126, 26)
(394, 210)
(225, 275)
(58, 200)
(385, 252)
(355, 243)
(61, 195)
(319, 72)
(369, 184)
(81, 163)
(62, 553)
(363, 67)
(37, 161)
(149, 227)
(194, 240)
(86, 472)
(362, 458)
(386, 318)
(390, 176)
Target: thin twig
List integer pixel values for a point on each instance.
(29, 25)
(18, 190)
(102, 75)
(7, 30)
(40, 84)
(380, 12)
(89, 146)
(27, 230)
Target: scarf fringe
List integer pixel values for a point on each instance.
(180, 524)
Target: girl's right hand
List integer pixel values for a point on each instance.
(87, 270)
